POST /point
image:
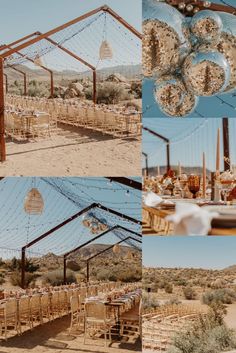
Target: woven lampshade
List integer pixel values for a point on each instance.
(129, 255)
(116, 249)
(38, 61)
(105, 51)
(34, 202)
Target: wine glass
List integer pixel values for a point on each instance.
(226, 187)
(194, 184)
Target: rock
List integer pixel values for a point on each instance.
(116, 78)
(79, 89)
(70, 93)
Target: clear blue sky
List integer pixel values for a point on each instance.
(197, 252)
(20, 18)
(189, 138)
(18, 228)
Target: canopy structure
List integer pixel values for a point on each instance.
(61, 229)
(74, 48)
(188, 139)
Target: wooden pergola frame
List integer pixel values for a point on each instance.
(92, 240)
(24, 76)
(167, 141)
(67, 221)
(38, 36)
(146, 162)
(6, 82)
(105, 250)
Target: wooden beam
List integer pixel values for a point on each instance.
(24, 75)
(167, 145)
(127, 182)
(122, 21)
(105, 250)
(51, 32)
(227, 162)
(2, 124)
(6, 82)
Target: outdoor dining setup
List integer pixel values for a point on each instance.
(40, 117)
(193, 200)
(68, 275)
(100, 306)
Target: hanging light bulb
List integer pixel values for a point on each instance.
(116, 249)
(105, 51)
(34, 202)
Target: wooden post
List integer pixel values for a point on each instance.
(64, 270)
(218, 153)
(204, 176)
(94, 86)
(25, 85)
(2, 108)
(52, 84)
(168, 156)
(23, 268)
(87, 263)
(227, 162)
(6, 82)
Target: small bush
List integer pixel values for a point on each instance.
(169, 288)
(2, 280)
(56, 278)
(224, 296)
(29, 279)
(189, 293)
(149, 301)
(111, 93)
(207, 335)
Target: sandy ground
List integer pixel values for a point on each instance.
(54, 338)
(73, 152)
(230, 318)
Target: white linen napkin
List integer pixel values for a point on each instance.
(150, 199)
(190, 219)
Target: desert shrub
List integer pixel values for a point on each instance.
(149, 301)
(2, 280)
(174, 300)
(29, 279)
(56, 277)
(189, 293)
(132, 104)
(224, 296)
(15, 265)
(169, 288)
(208, 334)
(111, 93)
(136, 88)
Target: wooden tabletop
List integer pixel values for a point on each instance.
(165, 212)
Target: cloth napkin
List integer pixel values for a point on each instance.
(190, 219)
(150, 199)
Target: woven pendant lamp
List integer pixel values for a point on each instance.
(34, 202)
(38, 61)
(116, 249)
(129, 255)
(105, 51)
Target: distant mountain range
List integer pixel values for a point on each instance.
(130, 72)
(187, 170)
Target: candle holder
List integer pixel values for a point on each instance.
(194, 182)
